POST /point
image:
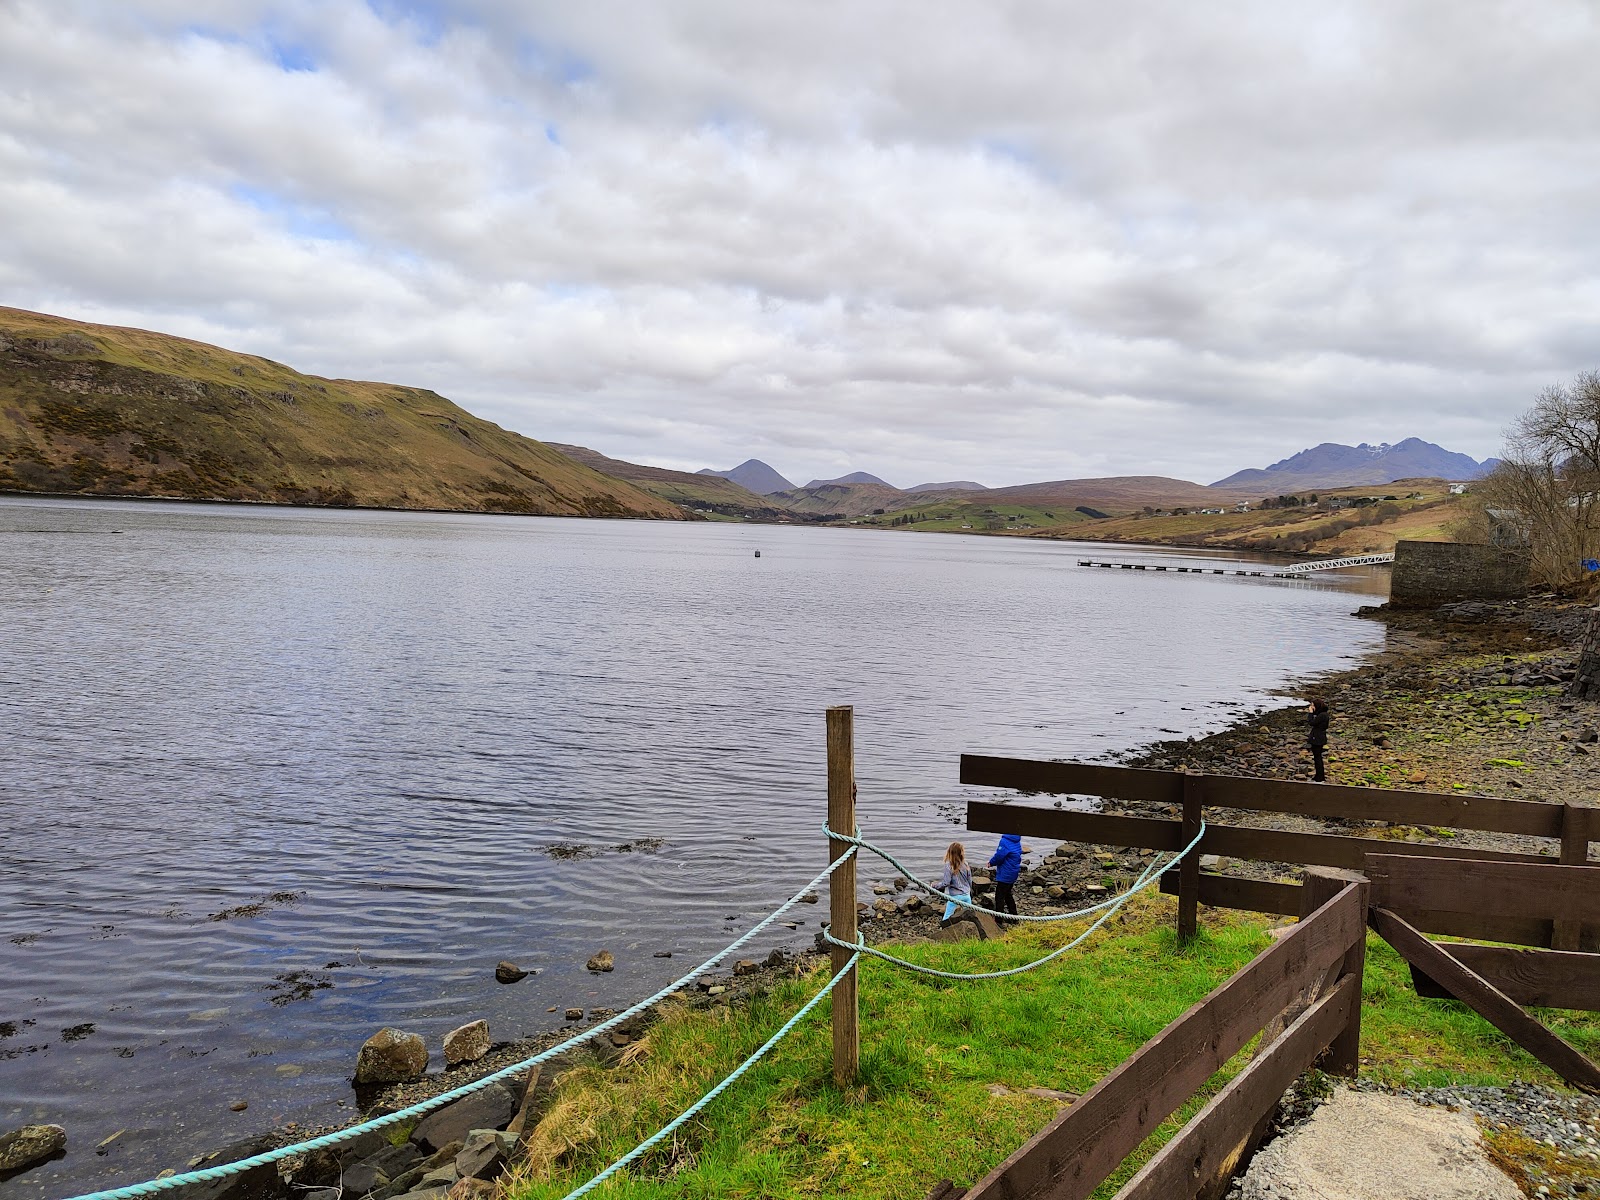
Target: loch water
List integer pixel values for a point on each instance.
(272, 778)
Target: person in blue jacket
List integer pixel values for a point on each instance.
(1007, 864)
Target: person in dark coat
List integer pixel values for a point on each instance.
(1317, 735)
(1007, 864)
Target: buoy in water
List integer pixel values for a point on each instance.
(758, 554)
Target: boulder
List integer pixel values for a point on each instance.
(959, 931)
(258, 1183)
(29, 1145)
(413, 1176)
(601, 960)
(467, 1044)
(573, 1014)
(488, 1108)
(472, 1189)
(486, 1154)
(507, 971)
(323, 1166)
(379, 1169)
(746, 966)
(391, 1056)
(809, 898)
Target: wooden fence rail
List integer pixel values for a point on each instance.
(1306, 988)
(1571, 828)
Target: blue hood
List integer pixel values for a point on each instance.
(1007, 860)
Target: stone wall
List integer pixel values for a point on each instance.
(1430, 573)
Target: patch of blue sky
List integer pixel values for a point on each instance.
(290, 56)
(1022, 156)
(552, 62)
(552, 135)
(298, 219)
(428, 19)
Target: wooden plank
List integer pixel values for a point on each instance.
(985, 816)
(1568, 934)
(842, 892)
(1203, 1147)
(1507, 889)
(1072, 1155)
(1189, 866)
(1087, 779)
(1487, 1001)
(1449, 809)
(1248, 895)
(1483, 926)
(1233, 841)
(1540, 978)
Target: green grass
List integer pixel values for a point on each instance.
(930, 1050)
(954, 516)
(922, 1110)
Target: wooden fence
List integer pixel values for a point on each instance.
(1571, 828)
(1303, 994)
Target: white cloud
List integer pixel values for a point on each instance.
(1007, 242)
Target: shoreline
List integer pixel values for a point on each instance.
(1390, 711)
(1463, 643)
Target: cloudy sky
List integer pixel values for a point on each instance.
(1003, 241)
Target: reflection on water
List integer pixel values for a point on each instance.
(271, 779)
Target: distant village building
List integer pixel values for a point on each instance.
(1458, 489)
(1242, 506)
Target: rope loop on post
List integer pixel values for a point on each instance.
(966, 902)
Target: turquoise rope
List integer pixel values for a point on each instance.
(655, 1139)
(222, 1171)
(966, 901)
(1144, 880)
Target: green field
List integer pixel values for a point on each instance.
(961, 516)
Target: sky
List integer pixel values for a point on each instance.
(1002, 241)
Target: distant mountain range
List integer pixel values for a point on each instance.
(1335, 465)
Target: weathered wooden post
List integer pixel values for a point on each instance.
(1568, 935)
(1343, 1055)
(842, 890)
(1189, 868)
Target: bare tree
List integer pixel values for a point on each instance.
(1546, 491)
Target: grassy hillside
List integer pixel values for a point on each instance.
(701, 493)
(970, 516)
(1420, 510)
(100, 410)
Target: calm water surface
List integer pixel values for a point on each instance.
(246, 753)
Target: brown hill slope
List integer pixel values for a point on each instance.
(678, 487)
(101, 410)
(843, 499)
(1121, 492)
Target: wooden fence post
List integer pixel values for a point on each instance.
(1343, 1056)
(842, 890)
(1568, 935)
(1189, 868)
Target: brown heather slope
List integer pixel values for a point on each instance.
(678, 487)
(101, 410)
(1122, 493)
(844, 499)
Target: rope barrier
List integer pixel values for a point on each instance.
(672, 1126)
(966, 901)
(1145, 879)
(224, 1170)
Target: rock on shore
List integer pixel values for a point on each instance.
(29, 1145)
(391, 1056)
